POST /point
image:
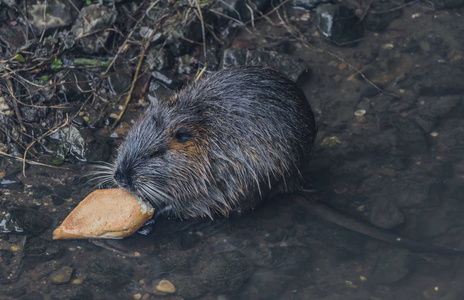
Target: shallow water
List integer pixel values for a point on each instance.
(392, 157)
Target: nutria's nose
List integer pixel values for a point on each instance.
(123, 178)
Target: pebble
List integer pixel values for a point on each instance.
(5, 108)
(166, 286)
(360, 112)
(15, 248)
(62, 275)
(77, 281)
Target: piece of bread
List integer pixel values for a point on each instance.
(105, 214)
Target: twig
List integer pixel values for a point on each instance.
(32, 162)
(123, 46)
(137, 71)
(49, 132)
(15, 104)
(200, 16)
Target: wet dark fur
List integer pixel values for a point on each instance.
(220, 145)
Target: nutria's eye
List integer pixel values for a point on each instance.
(183, 134)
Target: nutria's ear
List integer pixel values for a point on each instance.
(183, 134)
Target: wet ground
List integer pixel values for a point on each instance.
(389, 152)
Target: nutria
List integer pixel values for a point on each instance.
(225, 143)
(220, 145)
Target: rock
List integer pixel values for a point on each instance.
(14, 38)
(163, 78)
(49, 14)
(95, 19)
(338, 24)
(120, 81)
(426, 121)
(78, 144)
(38, 250)
(4, 107)
(12, 183)
(410, 137)
(11, 253)
(407, 193)
(368, 90)
(287, 64)
(61, 276)
(411, 46)
(439, 80)
(26, 220)
(234, 57)
(159, 59)
(9, 3)
(446, 107)
(393, 266)
(34, 114)
(188, 287)
(225, 272)
(385, 214)
(166, 286)
(376, 21)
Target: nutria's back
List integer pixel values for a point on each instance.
(219, 145)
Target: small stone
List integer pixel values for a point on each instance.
(61, 276)
(387, 215)
(15, 248)
(381, 15)
(392, 266)
(91, 29)
(360, 112)
(77, 281)
(166, 286)
(137, 296)
(338, 24)
(330, 141)
(5, 108)
(49, 14)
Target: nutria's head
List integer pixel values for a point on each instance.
(219, 145)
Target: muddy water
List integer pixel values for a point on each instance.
(389, 153)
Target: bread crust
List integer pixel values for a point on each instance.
(104, 214)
